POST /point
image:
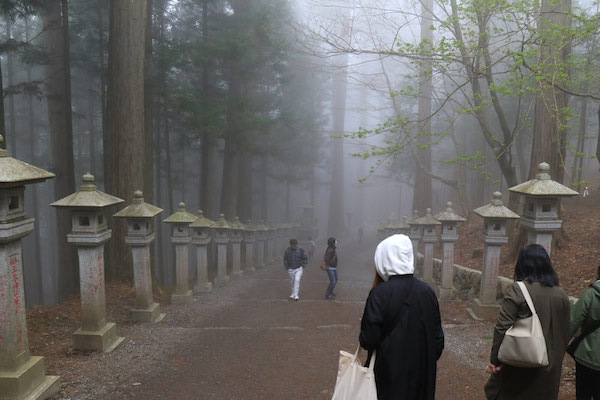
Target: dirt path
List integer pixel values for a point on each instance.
(248, 341)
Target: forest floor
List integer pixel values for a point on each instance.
(248, 341)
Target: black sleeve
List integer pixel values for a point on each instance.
(438, 331)
(304, 260)
(371, 326)
(286, 263)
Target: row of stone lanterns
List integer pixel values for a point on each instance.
(22, 376)
(540, 219)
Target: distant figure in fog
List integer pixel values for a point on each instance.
(552, 306)
(294, 261)
(402, 324)
(585, 349)
(360, 234)
(311, 248)
(331, 260)
(586, 192)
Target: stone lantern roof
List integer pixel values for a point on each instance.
(496, 209)
(88, 197)
(236, 224)
(181, 216)
(449, 215)
(249, 226)
(14, 172)
(414, 218)
(261, 227)
(542, 185)
(201, 221)
(138, 208)
(221, 223)
(403, 224)
(428, 219)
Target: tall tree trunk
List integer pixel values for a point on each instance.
(148, 106)
(336, 221)
(48, 282)
(11, 131)
(422, 195)
(245, 194)
(578, 159)
(549, 132)
(92, 130)
(125, 110)
(208, 176)
(58, 84)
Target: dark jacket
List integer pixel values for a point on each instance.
(293, 259)
(330, 257)
(585, 314)
(514, 383)
(407, 348)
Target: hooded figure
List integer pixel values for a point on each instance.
(402, 324)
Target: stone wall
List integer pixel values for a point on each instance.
(466, 280)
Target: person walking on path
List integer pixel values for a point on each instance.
(585, 349)
(534, 268)
(294, 261)
(402, 324)
(331, 260)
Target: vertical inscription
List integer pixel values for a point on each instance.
(3, 308)
(15, 267)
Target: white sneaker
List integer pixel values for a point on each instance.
(296, 298)
(291, 297)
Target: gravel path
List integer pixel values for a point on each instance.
(248, 341)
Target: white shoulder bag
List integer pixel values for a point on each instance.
(524, 344)
(354, 382)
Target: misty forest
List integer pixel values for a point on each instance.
(157, 156)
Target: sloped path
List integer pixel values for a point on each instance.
(248, 341)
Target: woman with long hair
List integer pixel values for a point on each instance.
(551, 303)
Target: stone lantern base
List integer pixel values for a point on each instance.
(151, 314)
(445, 293)
(104, 339)
(29, 382)
(479, 310)
(203, 287)
(181, 297)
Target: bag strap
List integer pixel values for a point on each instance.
(527, 297)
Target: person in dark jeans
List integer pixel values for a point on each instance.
(585, 315)
(331, 260)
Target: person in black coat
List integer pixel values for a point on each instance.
(402, 324)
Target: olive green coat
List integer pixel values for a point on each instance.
(586, 315)
(515, 383)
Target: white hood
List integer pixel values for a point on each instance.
(394, 256)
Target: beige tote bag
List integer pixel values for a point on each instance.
(524, 344)
(354, 382)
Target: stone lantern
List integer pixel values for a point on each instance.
(380, 231)
(261, 230)
(542, 196)
(221, 236)
(428, 225)
(390, 228)
(495, 217)
(235, 238)
(249, 239)
(201, 238)
(181, 236)
(414, 233)
(139, 236)
(22, 376)
(89, 234)
(449, 220)
(402, 228)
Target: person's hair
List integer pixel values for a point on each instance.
(331, 241)
(598, 273)
(533, 265)
(293, 241)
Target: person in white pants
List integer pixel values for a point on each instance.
(294, 261)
